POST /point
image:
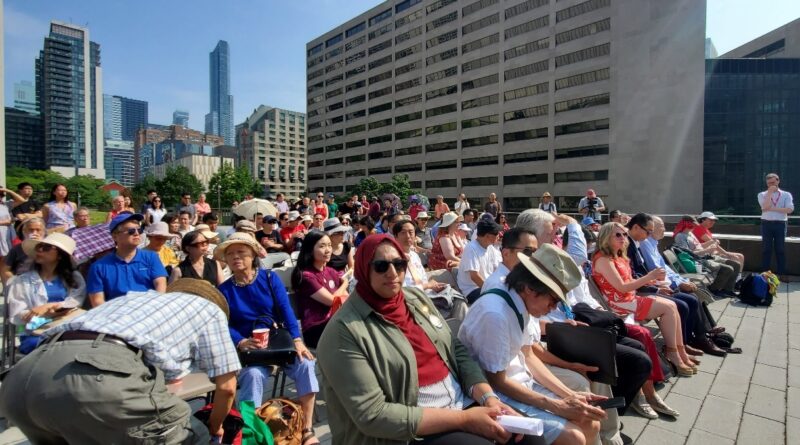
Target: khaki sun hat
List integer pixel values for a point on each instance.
(553, 267)
(201, 288)
(449, 218)
(246, 226)
(205, 230)
(236, 238)
(159, 229)
(63, 242)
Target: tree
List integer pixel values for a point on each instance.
(177, 181)
(399, 185)
(139, 191)
(366, 186)
(44, 180)
(90, 190)
(233, 184)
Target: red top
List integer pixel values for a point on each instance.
(437, 260)
(414, 210)
(321, 210)
(287, 232)
(700, 231)
(313, 312)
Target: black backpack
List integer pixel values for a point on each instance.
(755, 291)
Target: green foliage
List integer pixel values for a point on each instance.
(233, 185)
(177, 181)
(43, 180)
(139, 191)
(399, 185)
(89, 189)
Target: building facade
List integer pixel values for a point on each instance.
(24, 139)
(200, 166)
(514, 97)
(25, 97)
(69, 89)
(123, 117)
(180, 117)
(752, 107)
(272, 145)
(119, 162)
(154, 147)
(219, 121)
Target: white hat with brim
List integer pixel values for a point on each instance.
(449, 218)
(553, 267)
(708, 215)
(307, 218)
(159, 229)
(205, 230)
(333, 225)
(423, 215)
(236, 238)
(59, 240)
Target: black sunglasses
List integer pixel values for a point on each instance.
(132, 231)
(619, 235)
(382, 266)
(41, 247)
(528, 251)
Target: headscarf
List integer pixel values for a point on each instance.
(682, 225)
(430, 366)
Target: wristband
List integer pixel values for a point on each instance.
(486, 397)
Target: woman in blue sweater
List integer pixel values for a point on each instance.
(253, 293)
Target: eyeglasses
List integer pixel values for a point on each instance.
(382, 266)
(284, 219)
(619, 235)
(528, 251)
(132, 231)
(200, 244)
(645, 229)
(41, 247)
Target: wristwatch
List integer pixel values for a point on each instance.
(486, 397)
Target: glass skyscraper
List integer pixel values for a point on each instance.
(219, 121)
(180, 117)
(122, 117)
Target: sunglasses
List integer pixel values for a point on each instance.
(200, 244)
(382, 266)
(132, 231)
(528, 251)
(41, 247)
(619, 235)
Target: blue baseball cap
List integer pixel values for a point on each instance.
(122, 218)
(588, 221)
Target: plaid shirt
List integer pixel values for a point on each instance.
(176, 332)
(91, 240)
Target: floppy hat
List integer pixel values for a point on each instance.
(246, 226)
(201, 288)
(423, 215)
(293, 215)
(123, 218)
(205, 230)
(449, 218)
(307, 218)
(236, 238)
(159, 229)
(553, 267)
(464, 227)
(708, 215)
(546, 195)
(346, 216)
(63, 242)
(333, 225)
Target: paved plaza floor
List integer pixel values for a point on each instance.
(752, 398)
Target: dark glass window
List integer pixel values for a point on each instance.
(527, 48)
(449, 54)
(527, 27)
(380, 123)
(380, 47)
(441, 165)
(438, 75)
(581, 8)
(532, 90)
(438, 40)
(479, 121)
(437, 5)
(480, 63)
(441, 21)
(476, 6)
(480, 43)
(583, 78)
(400, 86)
(380, 154)
(355, 29)
(580, 152)
(408, 35)
(407, 151)
(402, 6)
(414, 16)
(380, 139)
(356, 114)
(525, 135)
(408, 100)
(315, 50)
(441, 146)
(407, 68)
(489, 20)
(441, 183)
(583, 31)
(580, 127)
(584, 54)
(525, 179)
(408, 117)
(475, 182)
(408, 134)
(479, 141)
(408, 168)
(356, 85)
(530, 156)
(450, 108)
(443, 128)
(525, 113)
(597, 175)
(380, 62)
(452, 89)
(524, 7)
(358, 143)
(380, 170)
(355, 71)
(380, 17)
(333, 40)
(408, 51)
(475, 162)
(380, 92)
(479, 102)
(582, 102)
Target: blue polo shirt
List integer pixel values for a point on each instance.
(114, 277)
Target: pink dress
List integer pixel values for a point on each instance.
(621, 303)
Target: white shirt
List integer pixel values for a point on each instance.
(282, 206)
(415, 263)
(460, 206)
(497, 280)
(491, 333)
(476, 258)
(783, 200)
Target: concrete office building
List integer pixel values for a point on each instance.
(219, 121)
(119, 162)
(180, 117)
(200, 166)
(25, 97)
(780, 43)
(272, 145)
(123, 117)
(154, 146)
(516, 97)
(69, 88)
(24, 136)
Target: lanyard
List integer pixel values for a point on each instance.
(775, 201)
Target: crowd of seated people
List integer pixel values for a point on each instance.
(402, 374)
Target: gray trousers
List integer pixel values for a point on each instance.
(727, 271)
(94, 392)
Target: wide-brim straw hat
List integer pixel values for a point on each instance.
(59, 240)
(236, 238)
(246, 226)
(205, 230)
(553, 267)
(449, 218)
(203, 289)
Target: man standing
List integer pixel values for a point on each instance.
(592, 205)
(776, 205)
(108, 368)
(187, 206)
(148, 204)
(26, 208)
(127, 268)
(479, 260)
(333, 208)
(493, 207)
(281, 204)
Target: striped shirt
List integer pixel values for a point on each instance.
(176, 332)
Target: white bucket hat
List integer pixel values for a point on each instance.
(59, 240)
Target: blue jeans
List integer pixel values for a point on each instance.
(773, 234)
(253, 378)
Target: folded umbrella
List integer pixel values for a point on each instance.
(91, 240)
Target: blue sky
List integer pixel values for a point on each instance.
(158, 50)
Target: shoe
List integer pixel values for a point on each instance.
(678, 369)
(626, 440)
(707, 346)
(717, 330)
(644, 409)
(658, 405)
(693, 351)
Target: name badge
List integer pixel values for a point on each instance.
(436, 321)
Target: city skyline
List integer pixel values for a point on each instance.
(181, 80)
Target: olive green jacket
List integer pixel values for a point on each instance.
(369, 371)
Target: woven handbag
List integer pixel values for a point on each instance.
(285, 419)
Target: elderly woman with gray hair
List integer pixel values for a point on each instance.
(17, 262)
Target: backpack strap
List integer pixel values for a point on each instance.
(507, 298)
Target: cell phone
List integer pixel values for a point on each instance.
(616, 402)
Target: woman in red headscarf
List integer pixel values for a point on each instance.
(394, 372)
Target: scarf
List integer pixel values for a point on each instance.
(430, 366)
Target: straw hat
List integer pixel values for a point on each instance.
(205, 230)
(246, 226)
(553, 267)
(63, 242)
(449, 218)
(159, 229)
(236, 238)
(201, 288)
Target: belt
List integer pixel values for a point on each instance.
(91, 335)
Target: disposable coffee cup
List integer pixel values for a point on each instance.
(699, 266)
(262, 335)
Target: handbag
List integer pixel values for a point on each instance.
(687, 263)
(588, 345)
(232, 425)
(255, 431)
(285, 420)
(280, 350)
(600, 319)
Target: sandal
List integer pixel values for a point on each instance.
(308, 434)
(679, 368)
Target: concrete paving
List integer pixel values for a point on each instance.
(749, 398)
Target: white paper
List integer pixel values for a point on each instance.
(521, 425)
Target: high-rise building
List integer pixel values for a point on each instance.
(514, 97)
(123, 117)
(752, 106)
(154, 147)
(119, 163)
(24, 139)
(69, 88)
(219, 121)
(202, 167)
(25, 97)
(180, 117)
(272, 145)
(711, 50)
